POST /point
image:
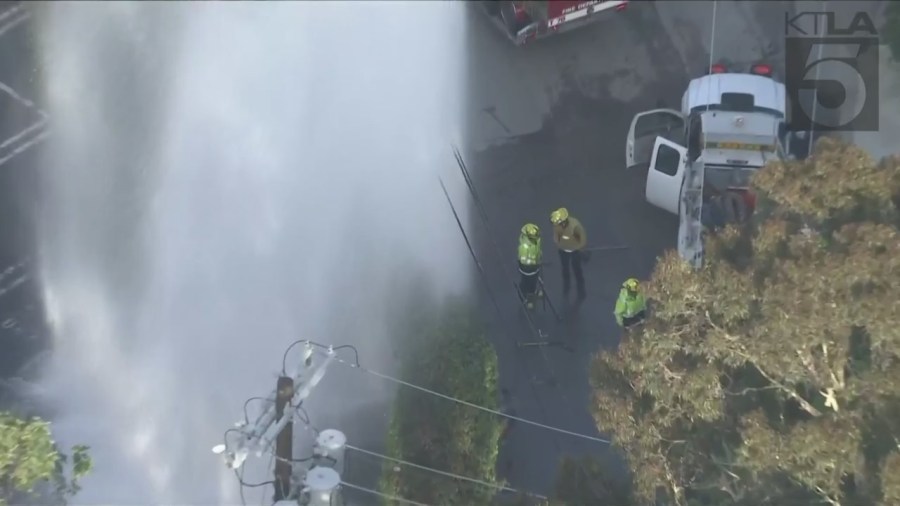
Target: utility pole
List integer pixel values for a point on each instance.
(319, 485)
(257, 437)
(284, 442)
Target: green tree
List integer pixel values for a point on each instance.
(29, 460)
(454, 358)
(771, 376)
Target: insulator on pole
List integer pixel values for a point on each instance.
(330, 446)
(322, 487)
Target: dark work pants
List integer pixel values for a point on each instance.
(528, 278)
(572, 260)
(634, 320)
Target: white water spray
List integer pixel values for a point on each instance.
(225, 178)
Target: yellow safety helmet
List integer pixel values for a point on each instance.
(531, 231)
(631, 284)
(559, 216)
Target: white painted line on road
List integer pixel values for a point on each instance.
(14, 23)
(25, 145)
(22, 100)
(23, 133)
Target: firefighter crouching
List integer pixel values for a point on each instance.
(631, 307)
(530, 258)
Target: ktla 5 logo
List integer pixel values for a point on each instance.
(832, 72)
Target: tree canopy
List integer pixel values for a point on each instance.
(29, 459)
(771, 376)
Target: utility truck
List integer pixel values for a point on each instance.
(699, 159)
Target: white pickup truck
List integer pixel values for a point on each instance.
(730, 125)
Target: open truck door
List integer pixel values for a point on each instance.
(665, 175)
(645, 128)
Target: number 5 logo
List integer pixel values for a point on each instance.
(834, 83)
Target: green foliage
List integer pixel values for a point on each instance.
(455, 359)
(772, 375)
(587, 481)
(29, 458)
(890, 31)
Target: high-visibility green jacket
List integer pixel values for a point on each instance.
(629, 305)
(529, 251)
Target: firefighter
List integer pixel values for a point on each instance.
(631, 308)
(530, 258)
(571, 239)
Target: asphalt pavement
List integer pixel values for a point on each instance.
(547, 129)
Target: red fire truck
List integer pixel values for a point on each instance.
(529, 20)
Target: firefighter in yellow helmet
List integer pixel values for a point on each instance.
(571, 239)
(530, 258)
(631, 307)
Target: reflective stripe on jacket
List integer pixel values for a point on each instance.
(529, 251)
(628, 305)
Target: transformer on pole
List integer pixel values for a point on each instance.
(330, 446)
(322, 487)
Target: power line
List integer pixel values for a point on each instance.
(382, 495)
(488, 484)
(469, 404)
(533, 326)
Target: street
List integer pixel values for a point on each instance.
(547, 129)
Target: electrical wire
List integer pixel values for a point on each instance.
(547, 364)
(495, 486)
(247, 402)
(382, 495)
(319, 345)
(471, 405)
(240, 478)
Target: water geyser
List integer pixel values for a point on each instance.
(223, 179)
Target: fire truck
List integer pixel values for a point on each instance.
(526, 21)
(700, 159)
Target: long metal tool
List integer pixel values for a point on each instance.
(542, 338)
(484, 217)
(606, 248)
(462, 230)
(552, 381)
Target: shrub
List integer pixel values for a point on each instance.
(453, 358)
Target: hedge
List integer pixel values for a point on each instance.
(452, 357)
